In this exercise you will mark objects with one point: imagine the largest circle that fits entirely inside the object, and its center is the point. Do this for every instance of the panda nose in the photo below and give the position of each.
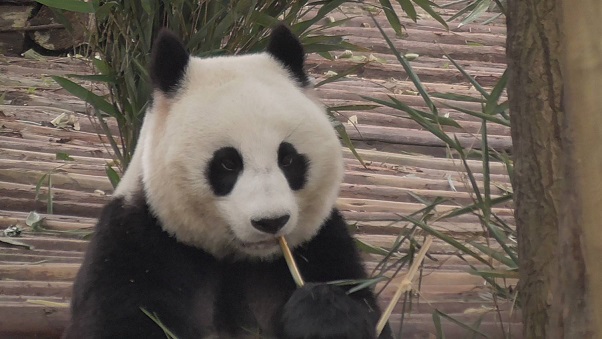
(270, 225)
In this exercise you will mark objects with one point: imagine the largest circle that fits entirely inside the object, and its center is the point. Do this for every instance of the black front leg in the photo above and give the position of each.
(323, 311)
(327, 311)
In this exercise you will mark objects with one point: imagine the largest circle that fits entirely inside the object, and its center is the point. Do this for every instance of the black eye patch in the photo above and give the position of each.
(293, 164)
(223, 170)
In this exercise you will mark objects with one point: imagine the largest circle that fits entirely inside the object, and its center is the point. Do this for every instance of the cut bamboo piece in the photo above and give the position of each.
(290, 261)
(404, 286)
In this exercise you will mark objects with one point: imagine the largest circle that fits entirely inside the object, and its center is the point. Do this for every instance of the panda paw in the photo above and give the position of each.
(323, 311)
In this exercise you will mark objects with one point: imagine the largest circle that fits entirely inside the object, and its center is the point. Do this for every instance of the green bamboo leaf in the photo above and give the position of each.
(367, 283)
(15, 243)
(118, 153)
(348, 143)
(168, 333)
(101, 66)
(352, 108)
(468, 77)
(480, 115)
(391, 16)
(39, 186)
(503, 274)
(463, 11)
(63, 156)
(49, 199)
(457, 97)
(492, 19)
(475, 206)
(112, 175)
(481, 8)
(96, 101)
(370, 249)
(459, 323)
(408, 69)
(147, 5)
(94, 77)
(453, 242)
(438, 119)
(486, 171)
(438, 328)
(501, 238)
(499, 256)
(427, 6)
(324, 10)
(470, 174)
(409, 9)
(341, 75)
(78, 6)
(491, 106)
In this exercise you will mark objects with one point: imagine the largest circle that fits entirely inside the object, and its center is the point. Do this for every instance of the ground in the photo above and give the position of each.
(403, 162)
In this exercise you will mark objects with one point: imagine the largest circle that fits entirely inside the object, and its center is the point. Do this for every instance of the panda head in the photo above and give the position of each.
(235, 151)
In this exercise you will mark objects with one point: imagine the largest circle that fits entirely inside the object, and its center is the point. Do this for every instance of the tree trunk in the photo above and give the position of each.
(537, 114)
(555, 105)
(576, 311)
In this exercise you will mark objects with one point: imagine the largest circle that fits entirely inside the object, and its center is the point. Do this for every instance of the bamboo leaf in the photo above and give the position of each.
(499, 256)
(482, 6)
(496, 93)
(459, 323)
(96, 101)
(112, 175)
(456, 244)
(438, 327)
(427, 6)
(480, 115)
(15, 243)
(78, 6)
(468, 77)
(39, 186)
(94, 77)
(457, 97)
(347, 141)
(343, 74)
(504, 274)
(391, 16)
(370, 249)
(473, 207)
(49, 199)
(63, 156)
(409, 9)
(168, 333)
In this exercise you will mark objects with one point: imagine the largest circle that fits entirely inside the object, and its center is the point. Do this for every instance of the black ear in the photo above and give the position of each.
(287, 49)
(168, 62)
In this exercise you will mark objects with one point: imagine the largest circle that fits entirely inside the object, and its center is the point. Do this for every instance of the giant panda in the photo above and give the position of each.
(234, 152)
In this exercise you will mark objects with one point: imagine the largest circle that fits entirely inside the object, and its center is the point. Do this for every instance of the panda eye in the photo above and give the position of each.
(287, 160)
(228, 165)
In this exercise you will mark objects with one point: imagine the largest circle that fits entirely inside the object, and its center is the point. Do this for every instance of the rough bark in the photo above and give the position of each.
(576, 311)
(535, 96)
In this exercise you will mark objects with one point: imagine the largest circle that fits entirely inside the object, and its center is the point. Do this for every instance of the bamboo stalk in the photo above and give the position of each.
(404, 286)
(290, 261)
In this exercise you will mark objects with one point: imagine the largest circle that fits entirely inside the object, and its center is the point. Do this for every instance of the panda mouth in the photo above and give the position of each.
(260, 245)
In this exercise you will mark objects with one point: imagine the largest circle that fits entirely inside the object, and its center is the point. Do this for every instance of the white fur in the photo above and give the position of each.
(249, 103)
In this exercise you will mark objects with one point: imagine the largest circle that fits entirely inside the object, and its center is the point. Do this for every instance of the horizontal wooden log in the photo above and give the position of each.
(405, 136)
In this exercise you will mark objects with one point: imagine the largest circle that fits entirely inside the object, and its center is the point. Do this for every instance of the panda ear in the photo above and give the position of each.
(169, 60)
(286, 48)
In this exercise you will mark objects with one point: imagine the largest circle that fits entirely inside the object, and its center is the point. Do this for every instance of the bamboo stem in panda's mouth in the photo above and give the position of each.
(290, 261)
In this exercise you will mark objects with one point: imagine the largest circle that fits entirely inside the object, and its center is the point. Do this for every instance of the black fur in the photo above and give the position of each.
(329, 305)
(287, 49)
(169, 60)
(132, 263)
(223, 170)
(293, 165)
